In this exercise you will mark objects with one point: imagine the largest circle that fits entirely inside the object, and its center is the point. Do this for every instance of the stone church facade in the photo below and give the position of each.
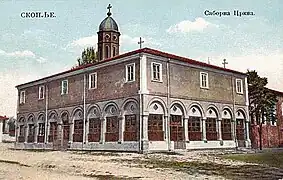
(144, 100)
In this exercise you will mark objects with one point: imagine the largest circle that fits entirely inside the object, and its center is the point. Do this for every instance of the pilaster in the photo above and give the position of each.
(35, 132)
(219, 129)
(186, 120)
(103, 130)
(247, 137)
(121, 128)
(204, 130)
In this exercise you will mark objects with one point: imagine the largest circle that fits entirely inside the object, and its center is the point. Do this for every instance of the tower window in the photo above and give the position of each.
(106, 51)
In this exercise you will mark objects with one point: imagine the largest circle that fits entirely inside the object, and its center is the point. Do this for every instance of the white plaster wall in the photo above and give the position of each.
(157, 145)
(210, 144)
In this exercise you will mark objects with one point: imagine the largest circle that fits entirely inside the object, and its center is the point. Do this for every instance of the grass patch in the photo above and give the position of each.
(244, 172)
(274, 159)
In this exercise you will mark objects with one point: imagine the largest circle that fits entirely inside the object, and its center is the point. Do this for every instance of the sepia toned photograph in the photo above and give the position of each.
(141, 90)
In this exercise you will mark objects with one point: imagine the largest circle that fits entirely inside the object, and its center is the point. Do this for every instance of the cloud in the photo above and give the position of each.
(23, 54)
(85, 41)
(8, 94)
(20, 54)
(187, 26)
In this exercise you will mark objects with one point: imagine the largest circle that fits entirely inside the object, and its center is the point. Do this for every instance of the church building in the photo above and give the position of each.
(141, 101)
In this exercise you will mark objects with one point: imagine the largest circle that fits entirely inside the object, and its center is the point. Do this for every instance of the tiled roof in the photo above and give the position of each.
(149, 51)
(2, 118)
(277, 92)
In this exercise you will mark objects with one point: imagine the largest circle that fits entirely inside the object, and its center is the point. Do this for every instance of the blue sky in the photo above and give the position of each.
(33, 48)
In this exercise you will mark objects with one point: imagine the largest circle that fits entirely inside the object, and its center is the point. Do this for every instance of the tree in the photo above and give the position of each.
(262, 101)
(89, 56)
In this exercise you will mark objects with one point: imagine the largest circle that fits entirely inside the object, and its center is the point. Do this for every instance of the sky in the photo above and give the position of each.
(32, 48)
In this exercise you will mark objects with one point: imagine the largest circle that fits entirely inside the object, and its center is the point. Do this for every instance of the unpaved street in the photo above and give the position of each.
(81, 165)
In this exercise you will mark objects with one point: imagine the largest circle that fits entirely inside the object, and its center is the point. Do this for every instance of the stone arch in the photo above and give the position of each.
(157, 106)
(178, 108)
(241, 114)
(93, 111)
(52, 116)
(77, 114)
(130, 106)
(76, 110)
(130, 123)
(227, 123)
(41, 117)
(198, 111)
(111, 109)
(93, 123)
(111, 113)
(226, 113)
(21, 119)
(212, 111)
(64, 117)
(240, 126)
(31, 118)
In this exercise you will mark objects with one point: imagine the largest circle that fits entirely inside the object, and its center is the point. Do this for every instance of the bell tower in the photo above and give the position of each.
(108, 37)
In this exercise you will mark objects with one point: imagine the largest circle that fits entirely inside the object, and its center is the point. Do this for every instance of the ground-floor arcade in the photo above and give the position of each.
(119, 125)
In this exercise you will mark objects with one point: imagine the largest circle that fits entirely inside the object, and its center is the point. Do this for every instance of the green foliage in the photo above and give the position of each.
(274, 159)
(262, 100)
(89, 56)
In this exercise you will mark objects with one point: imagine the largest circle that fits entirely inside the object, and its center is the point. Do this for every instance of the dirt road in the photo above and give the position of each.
(82, 165)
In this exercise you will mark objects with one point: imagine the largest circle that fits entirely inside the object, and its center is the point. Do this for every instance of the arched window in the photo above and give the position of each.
(194, 124)
(41, 129)
(106, 51)
(210, 124)
(31, 130)
(78, 127)
(226, 125)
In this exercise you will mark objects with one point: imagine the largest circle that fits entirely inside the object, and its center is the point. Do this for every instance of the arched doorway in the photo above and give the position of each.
(53, 131)
(40, 128)
(65, 129)
(211, 125)
(177, 134)
(94, 125)
(21, 131)
(156, 122)
(31, 129)
(240, 128)
(78, 126)
(112, 123)
(194, 124)
(226, 124)
(131, 128)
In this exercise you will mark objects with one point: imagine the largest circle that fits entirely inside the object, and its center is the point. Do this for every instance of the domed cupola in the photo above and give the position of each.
(108, 37)
(108, 24)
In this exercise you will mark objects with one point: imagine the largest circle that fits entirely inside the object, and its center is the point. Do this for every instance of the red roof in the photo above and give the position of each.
(279, 93)
(3, 118)
(144, 50)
